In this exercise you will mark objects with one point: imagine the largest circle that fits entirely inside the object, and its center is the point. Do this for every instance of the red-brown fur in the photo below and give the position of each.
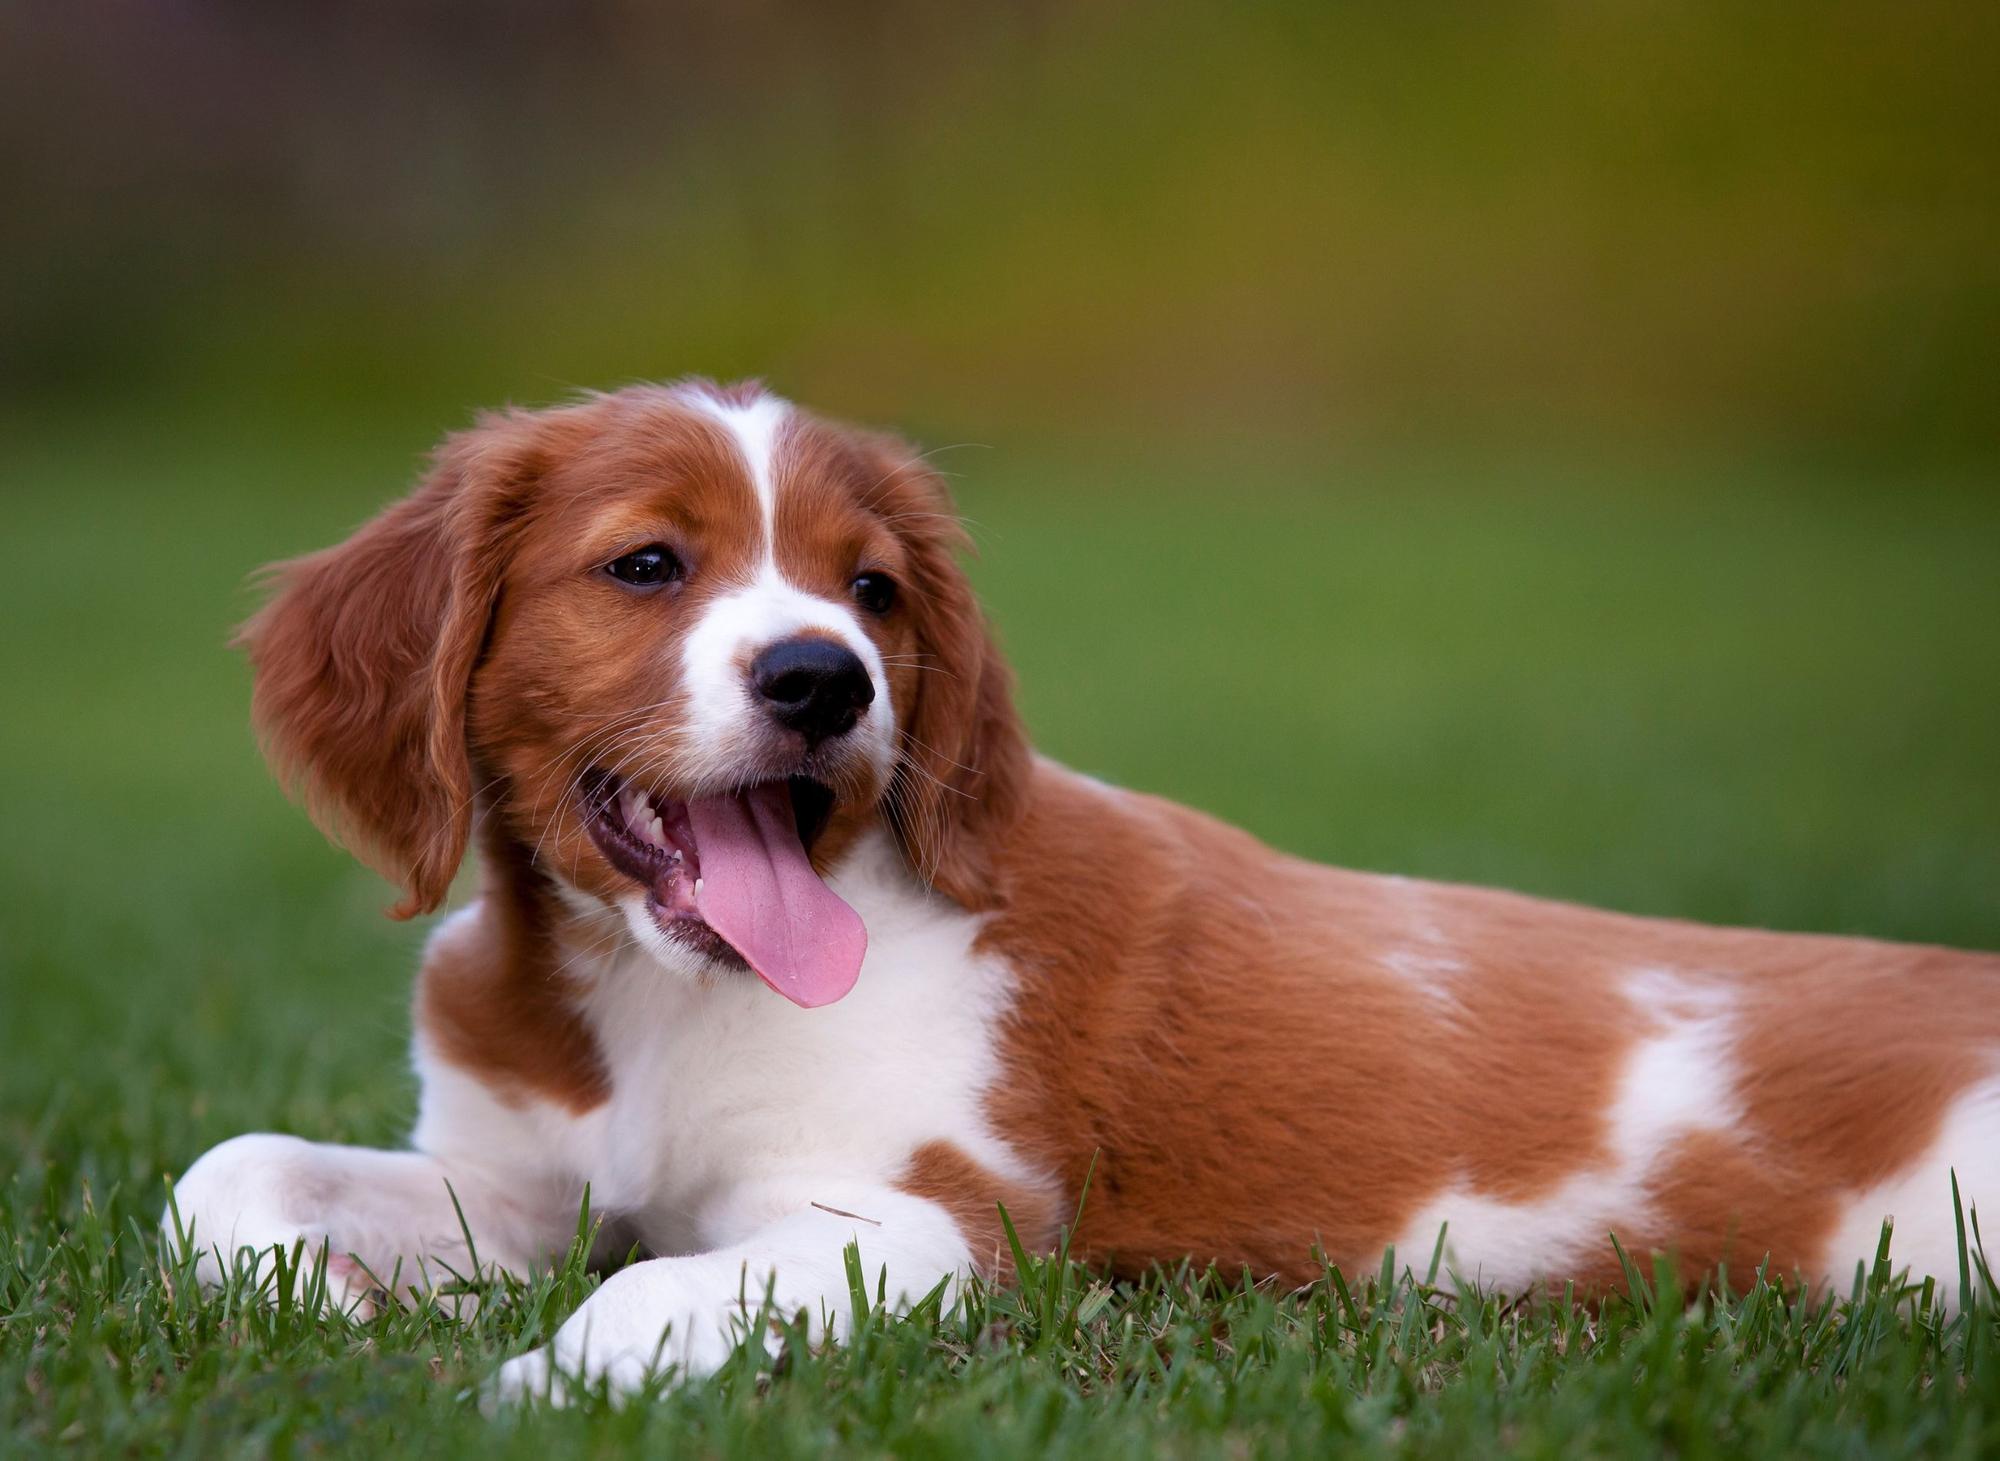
(976, 1198)
(1209, 1022)
(1186, 985)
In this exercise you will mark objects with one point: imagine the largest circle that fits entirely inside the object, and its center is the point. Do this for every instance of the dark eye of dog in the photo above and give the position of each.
(649, 567)
(875, 592)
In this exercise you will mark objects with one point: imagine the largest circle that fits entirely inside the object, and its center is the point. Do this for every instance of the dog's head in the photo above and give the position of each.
(679, 646)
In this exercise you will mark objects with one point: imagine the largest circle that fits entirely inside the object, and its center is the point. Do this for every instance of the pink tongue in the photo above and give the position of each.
(760, 893)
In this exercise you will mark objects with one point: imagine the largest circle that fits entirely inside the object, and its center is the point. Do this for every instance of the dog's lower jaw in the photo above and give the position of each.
(690, 951)
(592, 924)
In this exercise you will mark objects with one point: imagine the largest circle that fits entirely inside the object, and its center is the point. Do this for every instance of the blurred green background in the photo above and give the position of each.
(1551, 445)
(1738, 222)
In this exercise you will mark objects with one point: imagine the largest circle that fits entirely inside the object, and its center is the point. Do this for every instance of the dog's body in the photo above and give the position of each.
(1254, 1058)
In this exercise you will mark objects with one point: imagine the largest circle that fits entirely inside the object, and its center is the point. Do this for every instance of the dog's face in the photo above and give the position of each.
(681, 646)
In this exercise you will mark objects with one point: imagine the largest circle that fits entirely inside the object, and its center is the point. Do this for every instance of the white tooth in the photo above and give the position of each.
(697, 887)
(657, 831)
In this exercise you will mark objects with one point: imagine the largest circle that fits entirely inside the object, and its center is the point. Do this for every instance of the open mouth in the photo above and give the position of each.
(731, 876)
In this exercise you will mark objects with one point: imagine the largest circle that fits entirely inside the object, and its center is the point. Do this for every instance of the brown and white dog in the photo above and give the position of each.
(786, 940)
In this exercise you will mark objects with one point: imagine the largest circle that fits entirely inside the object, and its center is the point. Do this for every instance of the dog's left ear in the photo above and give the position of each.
(962, 769)
(364, 656)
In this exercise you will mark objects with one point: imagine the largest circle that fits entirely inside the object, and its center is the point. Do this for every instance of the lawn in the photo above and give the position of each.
(1724, 687)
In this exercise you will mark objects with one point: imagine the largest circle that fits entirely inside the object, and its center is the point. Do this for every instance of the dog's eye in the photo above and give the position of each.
(649, 567)
(875, 592)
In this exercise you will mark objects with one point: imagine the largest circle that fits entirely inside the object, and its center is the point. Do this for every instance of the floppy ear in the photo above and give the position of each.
(962, 769)
(363, 657)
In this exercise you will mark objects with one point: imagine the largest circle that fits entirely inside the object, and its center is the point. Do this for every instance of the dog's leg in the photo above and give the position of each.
(387, 1220)
(784, 1240)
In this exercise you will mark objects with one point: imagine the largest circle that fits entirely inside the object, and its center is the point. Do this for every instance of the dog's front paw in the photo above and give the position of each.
(237, 1210)
(667, 1320)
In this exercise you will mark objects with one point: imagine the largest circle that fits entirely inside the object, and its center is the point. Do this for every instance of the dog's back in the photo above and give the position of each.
(1259, 1052)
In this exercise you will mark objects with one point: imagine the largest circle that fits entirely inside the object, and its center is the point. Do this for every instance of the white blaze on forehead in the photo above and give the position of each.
(755, 429)
(723, 717)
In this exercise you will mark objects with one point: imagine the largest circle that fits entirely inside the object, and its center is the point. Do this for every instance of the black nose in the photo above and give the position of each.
(815, 687)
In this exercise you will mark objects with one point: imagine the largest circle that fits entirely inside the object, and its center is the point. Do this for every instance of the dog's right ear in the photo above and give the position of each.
(364, 654)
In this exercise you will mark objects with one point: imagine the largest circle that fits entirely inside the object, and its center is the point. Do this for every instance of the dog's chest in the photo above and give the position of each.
(718, 1082)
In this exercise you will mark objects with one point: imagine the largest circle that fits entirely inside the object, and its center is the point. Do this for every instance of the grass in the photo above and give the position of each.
(1183, 1364)
(1730, 689)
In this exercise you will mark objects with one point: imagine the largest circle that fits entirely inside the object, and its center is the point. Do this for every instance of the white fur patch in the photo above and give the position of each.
(755, 428)
(1678, 1081)
(723, 716)
(748, 1139)
(1918, 1200)
(382, 1219)
(1425, 960)
(736, 1120)
(689, 1313)
(717, 1081)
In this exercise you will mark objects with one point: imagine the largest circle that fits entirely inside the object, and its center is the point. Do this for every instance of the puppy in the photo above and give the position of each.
(785, 940)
